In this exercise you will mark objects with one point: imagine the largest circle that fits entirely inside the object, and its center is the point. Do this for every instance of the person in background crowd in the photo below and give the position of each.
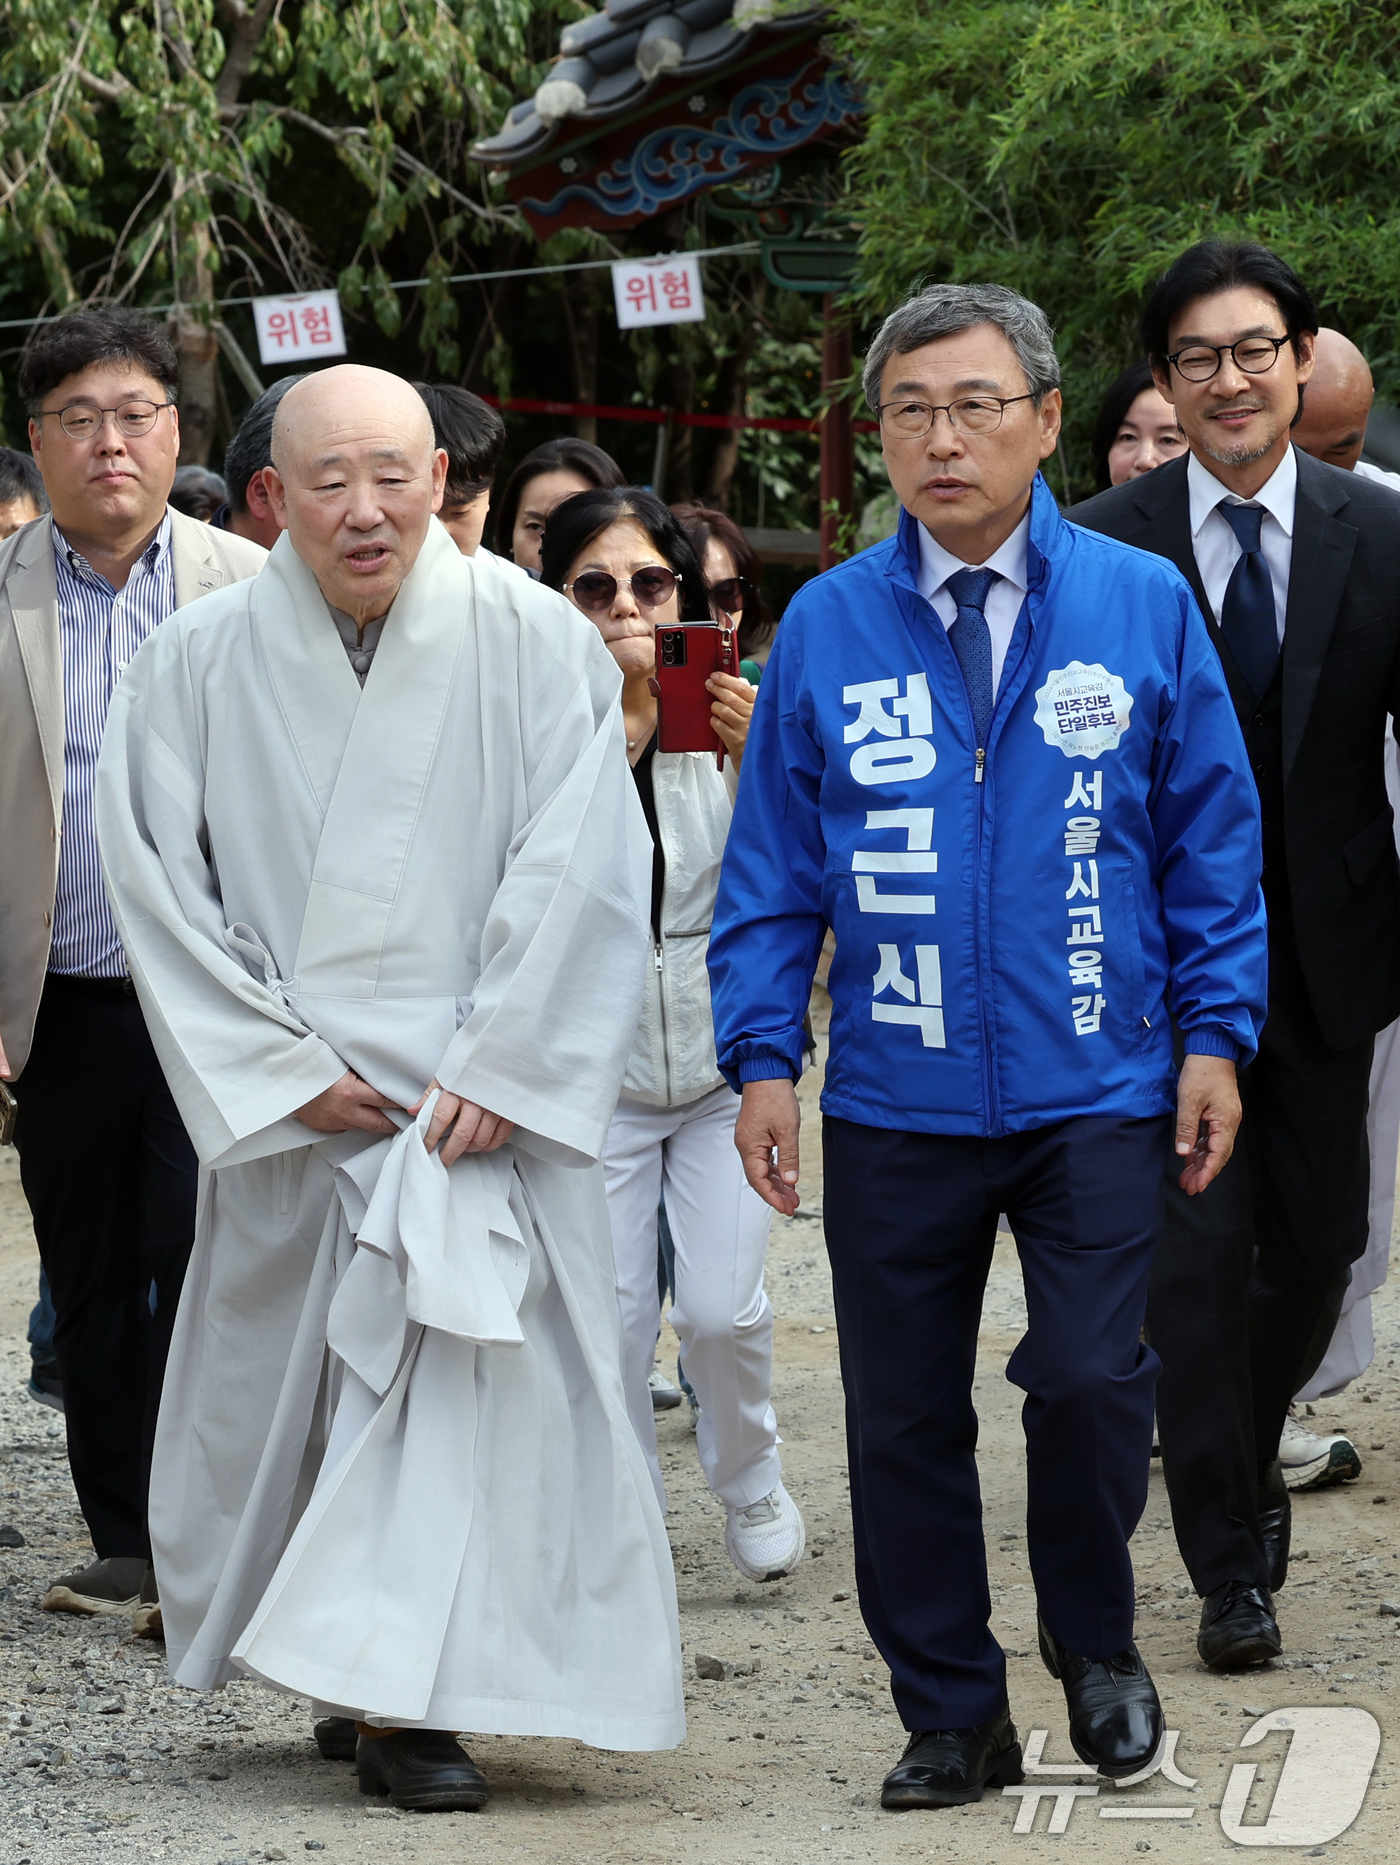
(198, 493)
(1336, 406)
(546, 475)
(1137, 429)
(420, 1503)
(1297, 565)
(248, 512)
(471, 434)
(22, 494)
(625, 562)
(23, 499)
(734, 574)
(1023, 726)
(114, 1214)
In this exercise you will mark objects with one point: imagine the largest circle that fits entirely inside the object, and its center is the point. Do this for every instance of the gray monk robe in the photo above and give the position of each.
(394, 1470)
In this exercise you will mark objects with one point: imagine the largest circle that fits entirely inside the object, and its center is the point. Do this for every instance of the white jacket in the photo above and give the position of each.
(673, 1054)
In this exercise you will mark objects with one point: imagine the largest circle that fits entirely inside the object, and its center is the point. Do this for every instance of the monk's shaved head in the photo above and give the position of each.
(1336, 402)
(349, 402)
(354, 481)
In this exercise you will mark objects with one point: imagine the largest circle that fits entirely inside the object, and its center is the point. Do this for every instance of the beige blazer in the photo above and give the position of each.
(31, 742)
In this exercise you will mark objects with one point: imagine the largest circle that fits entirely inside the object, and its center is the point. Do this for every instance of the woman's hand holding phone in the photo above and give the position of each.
(731, 711)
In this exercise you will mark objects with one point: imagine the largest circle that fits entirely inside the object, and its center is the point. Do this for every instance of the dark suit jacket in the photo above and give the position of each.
(1341, 677)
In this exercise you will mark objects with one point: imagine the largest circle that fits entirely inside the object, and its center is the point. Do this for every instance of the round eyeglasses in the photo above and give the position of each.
(970, 414)
(596, 591)
(82, 420)
(1256, 356)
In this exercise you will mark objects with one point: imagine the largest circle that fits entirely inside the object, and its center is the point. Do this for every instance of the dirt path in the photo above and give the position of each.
(103, 1760)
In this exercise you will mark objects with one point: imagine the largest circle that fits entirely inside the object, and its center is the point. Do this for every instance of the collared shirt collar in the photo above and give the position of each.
(1278, 495)
(79, 565)
(936, 565)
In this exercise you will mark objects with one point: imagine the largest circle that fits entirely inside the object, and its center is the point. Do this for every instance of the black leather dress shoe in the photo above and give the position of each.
(1238, 1627)
(1275, 1510)
(336, 1738)
(1115, 1719)
(421, 1770)
(950, 1767)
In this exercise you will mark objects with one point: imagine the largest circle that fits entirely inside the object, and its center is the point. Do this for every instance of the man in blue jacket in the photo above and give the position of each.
(997, 756)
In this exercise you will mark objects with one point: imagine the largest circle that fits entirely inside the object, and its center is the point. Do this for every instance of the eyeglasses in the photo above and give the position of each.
(1256, 356)
(973, 414)
(595, 590)
(81, 421)
(729, 594)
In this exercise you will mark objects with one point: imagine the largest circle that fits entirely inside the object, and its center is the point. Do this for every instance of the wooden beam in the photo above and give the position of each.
(838, 451)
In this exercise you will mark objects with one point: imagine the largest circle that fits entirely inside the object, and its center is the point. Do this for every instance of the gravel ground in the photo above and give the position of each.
(101, 1759)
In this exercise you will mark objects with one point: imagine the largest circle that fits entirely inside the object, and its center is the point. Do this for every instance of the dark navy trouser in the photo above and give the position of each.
(910, 1224)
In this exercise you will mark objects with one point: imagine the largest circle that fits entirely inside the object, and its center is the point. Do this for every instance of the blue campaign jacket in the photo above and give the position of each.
(1011, 933)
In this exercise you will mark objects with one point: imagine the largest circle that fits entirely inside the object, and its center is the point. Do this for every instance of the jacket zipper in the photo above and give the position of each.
(661, 1006)
(983, 971)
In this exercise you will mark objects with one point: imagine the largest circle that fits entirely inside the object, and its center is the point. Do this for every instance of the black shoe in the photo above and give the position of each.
(950, 1767)
(1115, 1719)
(336, 1737)
(421, 1770)
(1275, 1510)
(1238, 1627)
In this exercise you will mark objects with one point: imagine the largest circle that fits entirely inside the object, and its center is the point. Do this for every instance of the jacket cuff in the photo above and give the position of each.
(765, 1068)
(1212, 1043)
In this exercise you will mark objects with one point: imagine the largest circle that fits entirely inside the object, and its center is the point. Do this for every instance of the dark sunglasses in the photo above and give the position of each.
(595, 590)
(731, 592)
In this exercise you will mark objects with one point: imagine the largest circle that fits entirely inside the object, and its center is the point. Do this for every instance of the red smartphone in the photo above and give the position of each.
(687, 653)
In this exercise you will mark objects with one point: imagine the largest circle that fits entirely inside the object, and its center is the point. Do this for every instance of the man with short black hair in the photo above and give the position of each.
(471, 434)
(1297, 565)
(248, 512)
(112, 1191)
(22, 495)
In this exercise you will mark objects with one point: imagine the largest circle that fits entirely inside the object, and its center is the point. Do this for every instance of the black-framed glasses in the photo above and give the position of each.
(81, 420)
(595, 590)
(970, 414)
(729, 594)
(1256, 356)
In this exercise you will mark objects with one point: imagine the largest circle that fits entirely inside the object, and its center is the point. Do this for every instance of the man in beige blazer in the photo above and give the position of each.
(106, 1165)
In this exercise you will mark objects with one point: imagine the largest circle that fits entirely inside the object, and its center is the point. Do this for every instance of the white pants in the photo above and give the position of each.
(720, 1312)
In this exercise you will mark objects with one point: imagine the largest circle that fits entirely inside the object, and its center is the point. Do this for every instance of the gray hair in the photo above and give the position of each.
(945, 310)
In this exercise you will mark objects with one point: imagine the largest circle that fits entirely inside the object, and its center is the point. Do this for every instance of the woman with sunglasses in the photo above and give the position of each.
(622, 559)
(734, 573)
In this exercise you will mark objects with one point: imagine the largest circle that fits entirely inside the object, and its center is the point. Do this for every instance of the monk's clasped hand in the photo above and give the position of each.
(473, 1129)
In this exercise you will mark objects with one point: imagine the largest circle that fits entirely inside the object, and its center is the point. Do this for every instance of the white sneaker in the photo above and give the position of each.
(1311, 1462)
(664, 1396)
(766, 1540)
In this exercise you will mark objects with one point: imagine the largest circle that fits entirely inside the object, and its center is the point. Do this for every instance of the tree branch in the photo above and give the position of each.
(247, 36)
(401, 159)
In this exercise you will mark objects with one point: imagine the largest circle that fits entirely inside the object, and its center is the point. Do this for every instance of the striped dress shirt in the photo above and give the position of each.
(99, 629)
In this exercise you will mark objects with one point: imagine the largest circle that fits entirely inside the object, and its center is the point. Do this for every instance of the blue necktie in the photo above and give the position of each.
(1248, 618)
(972, 643)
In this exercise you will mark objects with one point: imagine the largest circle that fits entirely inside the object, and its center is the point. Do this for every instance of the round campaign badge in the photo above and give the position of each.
(1083, 710)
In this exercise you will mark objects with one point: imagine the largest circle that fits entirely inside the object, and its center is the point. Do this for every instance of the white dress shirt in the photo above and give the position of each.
(1004, 598)
(1364, 470)
(1217, 548)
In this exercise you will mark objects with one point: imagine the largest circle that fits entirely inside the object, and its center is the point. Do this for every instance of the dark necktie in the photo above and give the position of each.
(1248, 618)
(972, 643)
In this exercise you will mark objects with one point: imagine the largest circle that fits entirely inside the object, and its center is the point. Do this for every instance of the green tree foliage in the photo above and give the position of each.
(1071, 150)
(150, 147)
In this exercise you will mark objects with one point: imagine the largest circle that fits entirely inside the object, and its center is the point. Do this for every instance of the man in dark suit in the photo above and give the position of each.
(1296, 566)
